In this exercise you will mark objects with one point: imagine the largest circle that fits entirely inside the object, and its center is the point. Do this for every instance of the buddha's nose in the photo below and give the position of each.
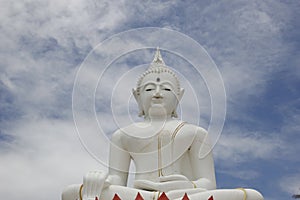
(157, 93)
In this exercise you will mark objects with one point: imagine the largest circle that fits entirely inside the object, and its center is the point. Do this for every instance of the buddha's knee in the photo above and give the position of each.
(253, 195)
(71, 192)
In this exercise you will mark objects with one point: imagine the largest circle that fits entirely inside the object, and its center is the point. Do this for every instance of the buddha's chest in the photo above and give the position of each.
(160, 151)
(152, 144)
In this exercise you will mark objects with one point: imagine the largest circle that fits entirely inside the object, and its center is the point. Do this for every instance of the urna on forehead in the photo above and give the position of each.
(158, 72)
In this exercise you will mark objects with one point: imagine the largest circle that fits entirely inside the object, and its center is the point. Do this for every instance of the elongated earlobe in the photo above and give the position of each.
(174, 114)
(136, 96)
(181, 92)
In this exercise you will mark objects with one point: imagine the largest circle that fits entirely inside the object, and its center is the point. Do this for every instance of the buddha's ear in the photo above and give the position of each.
(181, 92)
(134, 92)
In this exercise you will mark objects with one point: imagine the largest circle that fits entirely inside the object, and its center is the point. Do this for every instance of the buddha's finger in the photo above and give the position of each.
(89, 184)
(97, 183)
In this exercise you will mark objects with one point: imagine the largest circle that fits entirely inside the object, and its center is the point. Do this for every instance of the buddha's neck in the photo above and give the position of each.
(157, 113)
(158, 118)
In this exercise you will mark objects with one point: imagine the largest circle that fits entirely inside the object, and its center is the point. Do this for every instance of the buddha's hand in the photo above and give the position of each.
(175, 185)
(174, 182)
(92, 184)
(112, 180)
(165, 184)
(173, 177)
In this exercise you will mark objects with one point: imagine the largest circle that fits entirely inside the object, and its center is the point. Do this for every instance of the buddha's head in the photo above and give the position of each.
(158, 90)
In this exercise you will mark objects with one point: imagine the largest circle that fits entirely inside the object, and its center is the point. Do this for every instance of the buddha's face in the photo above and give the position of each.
(159, 94)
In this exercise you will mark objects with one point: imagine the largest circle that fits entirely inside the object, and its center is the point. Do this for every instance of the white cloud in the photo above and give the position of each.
(245, 40)
(291, 184)
(239, 146)
(41, 46)
(241, 174)
(44, 157)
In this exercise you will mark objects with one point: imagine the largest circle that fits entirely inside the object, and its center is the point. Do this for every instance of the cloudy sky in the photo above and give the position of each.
(54, 50)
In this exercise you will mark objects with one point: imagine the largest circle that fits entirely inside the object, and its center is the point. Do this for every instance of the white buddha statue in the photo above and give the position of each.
(166, 151)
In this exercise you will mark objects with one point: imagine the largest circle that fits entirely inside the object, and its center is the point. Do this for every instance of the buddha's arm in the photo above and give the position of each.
(202, 162)
(119, 161)
(203, 174)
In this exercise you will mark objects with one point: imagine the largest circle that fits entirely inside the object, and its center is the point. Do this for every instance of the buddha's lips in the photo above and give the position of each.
(157, 97)
(157, 100)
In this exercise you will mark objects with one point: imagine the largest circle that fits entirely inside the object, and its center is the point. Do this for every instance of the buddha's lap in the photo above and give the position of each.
(126, 193)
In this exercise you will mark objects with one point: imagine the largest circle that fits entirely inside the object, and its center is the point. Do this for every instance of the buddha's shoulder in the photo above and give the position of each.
(129, 129)
(133, 127)
(192, 129)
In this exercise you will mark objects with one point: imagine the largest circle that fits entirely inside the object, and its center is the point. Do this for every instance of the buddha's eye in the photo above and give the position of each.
(166, 87)
(149, 88)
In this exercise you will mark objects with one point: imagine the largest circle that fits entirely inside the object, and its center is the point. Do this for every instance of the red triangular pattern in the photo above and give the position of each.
(163, 196)
(185, 197)
(139, 197)
(116, 197)
(96, 198)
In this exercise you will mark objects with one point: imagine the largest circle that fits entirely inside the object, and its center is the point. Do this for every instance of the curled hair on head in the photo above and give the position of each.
(157, 66)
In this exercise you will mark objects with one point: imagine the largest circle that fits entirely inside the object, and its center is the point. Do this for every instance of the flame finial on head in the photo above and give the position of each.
(157, 60)
(157, 57)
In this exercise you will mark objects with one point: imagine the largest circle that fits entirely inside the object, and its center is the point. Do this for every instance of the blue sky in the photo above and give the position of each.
(255, 44)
